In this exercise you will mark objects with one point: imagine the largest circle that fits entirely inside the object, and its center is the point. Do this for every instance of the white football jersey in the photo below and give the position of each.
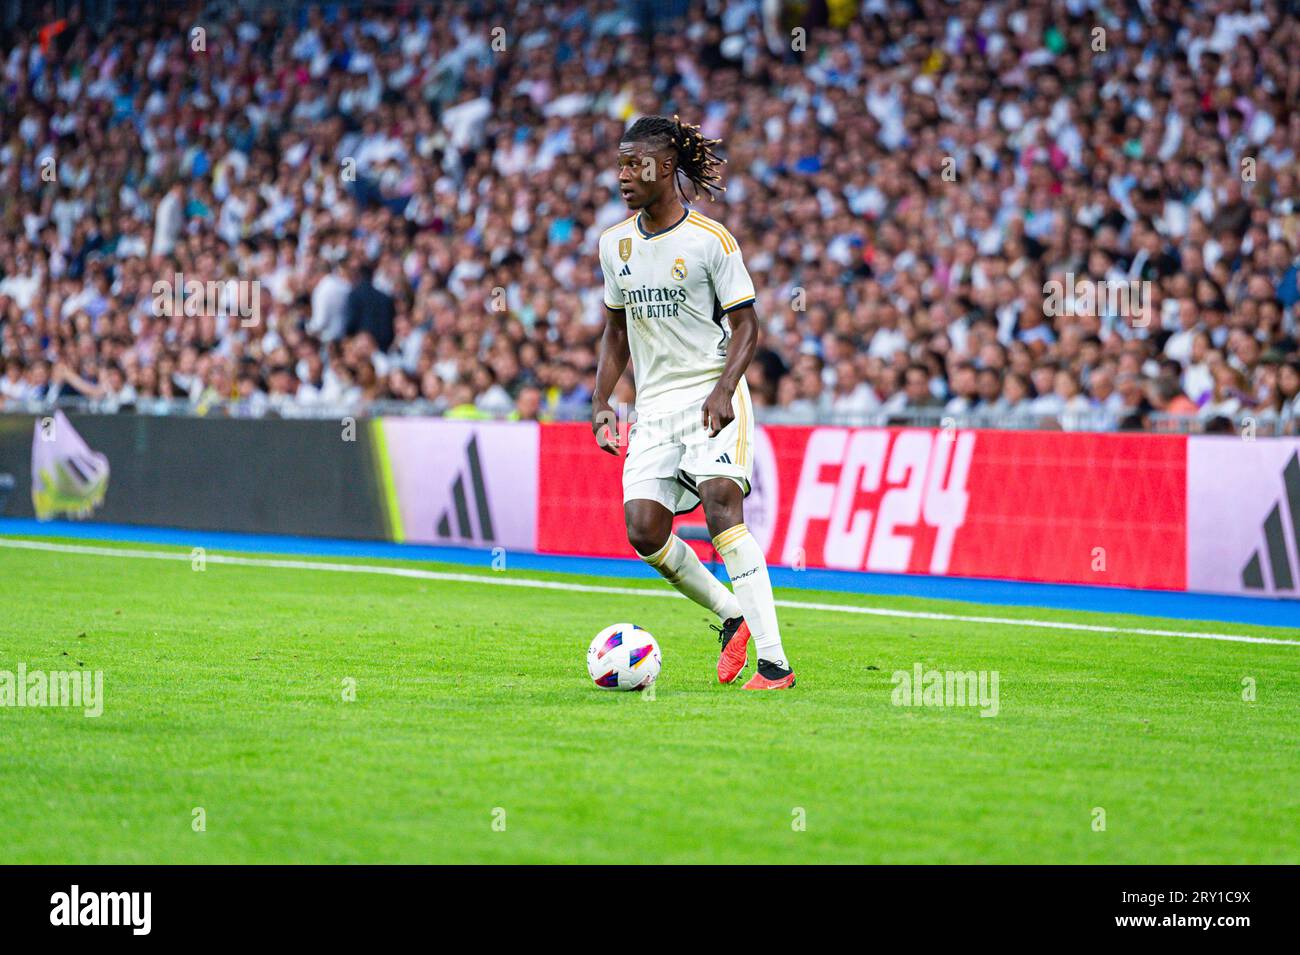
(675, 288)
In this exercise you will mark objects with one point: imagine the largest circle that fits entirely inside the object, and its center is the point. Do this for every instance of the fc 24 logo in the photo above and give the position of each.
(865, 486)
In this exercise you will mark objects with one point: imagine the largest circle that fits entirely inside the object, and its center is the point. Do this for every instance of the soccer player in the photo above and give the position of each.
(680, 303)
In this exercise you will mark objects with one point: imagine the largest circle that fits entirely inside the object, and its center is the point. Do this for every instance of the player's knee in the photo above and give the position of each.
(723, 506)
(645, 537)
(723, 519)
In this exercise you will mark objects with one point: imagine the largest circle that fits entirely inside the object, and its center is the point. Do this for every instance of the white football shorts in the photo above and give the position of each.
(670, 455)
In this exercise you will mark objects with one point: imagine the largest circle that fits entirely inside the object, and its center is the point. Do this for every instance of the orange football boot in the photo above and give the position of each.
(771, 677)
(734, 637)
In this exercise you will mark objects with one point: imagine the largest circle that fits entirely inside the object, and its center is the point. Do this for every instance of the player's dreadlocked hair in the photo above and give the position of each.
(696, 159)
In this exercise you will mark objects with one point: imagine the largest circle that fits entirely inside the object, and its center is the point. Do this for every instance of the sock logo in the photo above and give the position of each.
(1275, 534)
(459, 509)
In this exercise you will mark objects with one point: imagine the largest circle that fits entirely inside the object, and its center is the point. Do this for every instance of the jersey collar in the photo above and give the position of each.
(654, 235)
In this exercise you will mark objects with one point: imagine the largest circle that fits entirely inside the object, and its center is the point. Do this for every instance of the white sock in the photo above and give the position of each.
(678, 565)
(749, 577)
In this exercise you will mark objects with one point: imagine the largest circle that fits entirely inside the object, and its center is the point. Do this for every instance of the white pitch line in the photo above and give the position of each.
(499, 581)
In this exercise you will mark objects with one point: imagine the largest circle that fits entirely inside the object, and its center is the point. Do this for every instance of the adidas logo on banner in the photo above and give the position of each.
(1275, 533)
(459, 509)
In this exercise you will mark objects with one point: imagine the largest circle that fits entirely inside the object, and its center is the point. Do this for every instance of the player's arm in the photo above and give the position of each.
(735, 292)
(613, 358)
(609, 369)
(718, 411)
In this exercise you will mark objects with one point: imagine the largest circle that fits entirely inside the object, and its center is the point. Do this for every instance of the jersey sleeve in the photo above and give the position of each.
(731, 282)
(613, 294)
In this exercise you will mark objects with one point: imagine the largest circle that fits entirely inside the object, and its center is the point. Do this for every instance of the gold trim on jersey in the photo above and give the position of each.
(742, 436)
(616, 225)
(715, 229)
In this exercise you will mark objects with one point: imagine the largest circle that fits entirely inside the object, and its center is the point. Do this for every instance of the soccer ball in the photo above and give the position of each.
(624, 657)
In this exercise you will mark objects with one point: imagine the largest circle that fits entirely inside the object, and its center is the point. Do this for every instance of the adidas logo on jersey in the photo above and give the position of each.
(626, 271)
(725, 459)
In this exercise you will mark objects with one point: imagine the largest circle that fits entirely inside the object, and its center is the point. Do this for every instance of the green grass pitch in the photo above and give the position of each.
(475, 735)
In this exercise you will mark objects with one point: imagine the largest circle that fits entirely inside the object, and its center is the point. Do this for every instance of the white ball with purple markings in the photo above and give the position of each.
(624, 657)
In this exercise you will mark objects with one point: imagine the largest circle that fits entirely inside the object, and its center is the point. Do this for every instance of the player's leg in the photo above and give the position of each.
(718, 469)
(651, 496)
(650, 532)
(723, 502)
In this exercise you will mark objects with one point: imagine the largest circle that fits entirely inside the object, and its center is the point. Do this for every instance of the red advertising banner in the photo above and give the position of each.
(579, 495)
(1048, 506)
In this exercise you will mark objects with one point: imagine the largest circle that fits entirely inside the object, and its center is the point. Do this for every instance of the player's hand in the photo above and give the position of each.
(717, 412)
(604, 425)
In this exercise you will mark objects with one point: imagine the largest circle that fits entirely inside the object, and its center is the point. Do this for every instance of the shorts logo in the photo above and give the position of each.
(625, 249)
(679, 270)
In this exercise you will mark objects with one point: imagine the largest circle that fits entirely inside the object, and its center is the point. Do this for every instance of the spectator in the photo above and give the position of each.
(1169, 399)
(12, 386)
(964, 390)
(568, 395)
(369, 310)
(1015, 398)
(528, 406)
(467, 190)
(1286, 402)
(460, 403)
(1104, 397)
(329, 305)
(916, 394)
(492, 398)
(1225, 399)
(169, 221)
(1074, 409)
(989, 385)
(851, 397)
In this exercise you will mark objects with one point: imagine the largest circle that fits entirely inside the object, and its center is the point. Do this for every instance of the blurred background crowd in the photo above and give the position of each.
(417, 191)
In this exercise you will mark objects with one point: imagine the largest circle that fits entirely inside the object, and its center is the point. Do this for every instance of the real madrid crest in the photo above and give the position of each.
(679, 270)
(625, 249)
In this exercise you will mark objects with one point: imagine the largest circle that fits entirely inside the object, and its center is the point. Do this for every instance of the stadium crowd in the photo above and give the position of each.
(402, 204)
